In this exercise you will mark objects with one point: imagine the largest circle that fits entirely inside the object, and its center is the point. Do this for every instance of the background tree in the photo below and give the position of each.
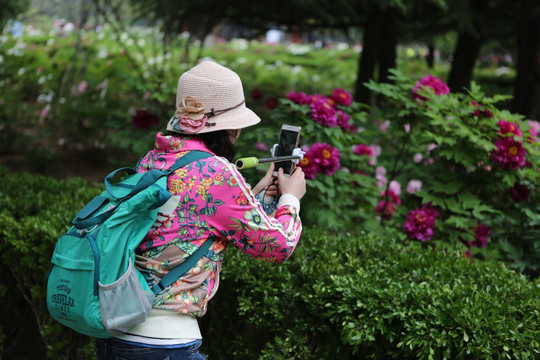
(10, 9)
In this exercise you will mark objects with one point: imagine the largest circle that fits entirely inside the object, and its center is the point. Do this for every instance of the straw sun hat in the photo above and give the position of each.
(210, 97)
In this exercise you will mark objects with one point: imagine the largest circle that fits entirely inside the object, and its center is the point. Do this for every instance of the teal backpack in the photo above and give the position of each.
(93, 286)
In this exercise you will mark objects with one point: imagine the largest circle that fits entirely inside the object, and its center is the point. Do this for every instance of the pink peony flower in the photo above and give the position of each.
(342, 97)
(142, 119)
(432, 82)
(384, 126)
(519, 192)
(395, 187)
(323, 113)
(509, 154)
(261, 146)
(509, 128)
(420, 223)
(82, 86)
(326, 157)
(534, 129)
(414, 186)
(417, 158)
(297, 97)
(362, 149)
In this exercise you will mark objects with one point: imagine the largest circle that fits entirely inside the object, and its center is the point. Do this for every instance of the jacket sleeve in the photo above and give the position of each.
(241, 220)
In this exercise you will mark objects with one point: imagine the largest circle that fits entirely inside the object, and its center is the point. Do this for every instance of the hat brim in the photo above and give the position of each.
(238, 118)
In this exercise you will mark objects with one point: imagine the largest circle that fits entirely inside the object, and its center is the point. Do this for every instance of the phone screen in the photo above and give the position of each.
(288, 141)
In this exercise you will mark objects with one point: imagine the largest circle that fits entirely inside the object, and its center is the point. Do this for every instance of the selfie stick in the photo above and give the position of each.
(250, 162)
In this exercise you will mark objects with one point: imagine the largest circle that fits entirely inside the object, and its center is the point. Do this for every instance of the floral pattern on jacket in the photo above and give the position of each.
(215, 204)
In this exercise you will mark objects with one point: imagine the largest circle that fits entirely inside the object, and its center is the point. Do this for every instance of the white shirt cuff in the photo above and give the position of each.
(289, 199)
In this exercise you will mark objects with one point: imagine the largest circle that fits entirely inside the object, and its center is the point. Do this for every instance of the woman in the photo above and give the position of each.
(210, 202)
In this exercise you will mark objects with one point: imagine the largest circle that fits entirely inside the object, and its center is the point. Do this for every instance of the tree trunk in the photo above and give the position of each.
(465, 54)
(430, 58)
(366, 64)
(527, 82)
(388, 38)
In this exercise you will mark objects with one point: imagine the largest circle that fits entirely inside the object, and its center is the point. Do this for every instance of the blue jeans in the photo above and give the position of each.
(114, 349)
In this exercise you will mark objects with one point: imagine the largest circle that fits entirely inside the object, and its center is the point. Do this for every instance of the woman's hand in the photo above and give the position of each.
(294, 184)
(265, 182)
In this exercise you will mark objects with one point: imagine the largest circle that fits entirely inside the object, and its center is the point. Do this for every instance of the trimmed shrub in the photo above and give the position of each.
(35, 211)
(363, 297)
(354, 296)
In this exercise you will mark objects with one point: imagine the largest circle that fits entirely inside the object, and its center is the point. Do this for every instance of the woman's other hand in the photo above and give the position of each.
(295, 184)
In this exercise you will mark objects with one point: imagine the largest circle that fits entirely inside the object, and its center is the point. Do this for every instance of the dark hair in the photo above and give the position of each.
(219, 142)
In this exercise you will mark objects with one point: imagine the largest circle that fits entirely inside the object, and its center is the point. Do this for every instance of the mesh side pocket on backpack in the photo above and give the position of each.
(124, 303)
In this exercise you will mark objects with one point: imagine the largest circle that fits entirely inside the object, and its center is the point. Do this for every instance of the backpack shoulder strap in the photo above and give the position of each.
(183, 268)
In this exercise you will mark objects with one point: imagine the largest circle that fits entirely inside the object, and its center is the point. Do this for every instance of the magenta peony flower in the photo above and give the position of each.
(256, 94)
(363, 149)
(271, 103)
(323, 113)
(420, 223)
(480, 110)
(388, 206)
(393, 197)
(481, 236)
(509, 154)
(325, 156)
(297, 97)
(519, 192)
(343, 121)
(432, 82)
(309, 167)
(342, 97)
(509, 127)
(142, 119)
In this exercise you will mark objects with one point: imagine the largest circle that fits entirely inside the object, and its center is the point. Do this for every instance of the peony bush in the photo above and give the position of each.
(468, 169)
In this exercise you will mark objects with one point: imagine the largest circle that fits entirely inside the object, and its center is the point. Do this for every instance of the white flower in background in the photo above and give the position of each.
(124, 36)
(129, 42)
(241, 60)
(42, 79)
(102, 53)
(45, 98)
(141, 42)
(315, 78)
(278, 63)
(414, 186)
(101, 35)
(342, 46)
(62, 100)
(239, 44)
(298, 49)
(260, 62)
(296, 69)
(50, 42)
(21, 71)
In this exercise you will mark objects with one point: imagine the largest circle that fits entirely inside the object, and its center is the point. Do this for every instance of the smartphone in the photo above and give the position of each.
(288, 141)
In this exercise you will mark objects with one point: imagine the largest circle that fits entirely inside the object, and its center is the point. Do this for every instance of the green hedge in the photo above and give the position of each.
(349, 297)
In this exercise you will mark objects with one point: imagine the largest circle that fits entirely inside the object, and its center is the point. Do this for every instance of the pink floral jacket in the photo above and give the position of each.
(215, 203)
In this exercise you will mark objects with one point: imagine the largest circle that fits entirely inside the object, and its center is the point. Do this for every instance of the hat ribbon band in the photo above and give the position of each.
(213, 112)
